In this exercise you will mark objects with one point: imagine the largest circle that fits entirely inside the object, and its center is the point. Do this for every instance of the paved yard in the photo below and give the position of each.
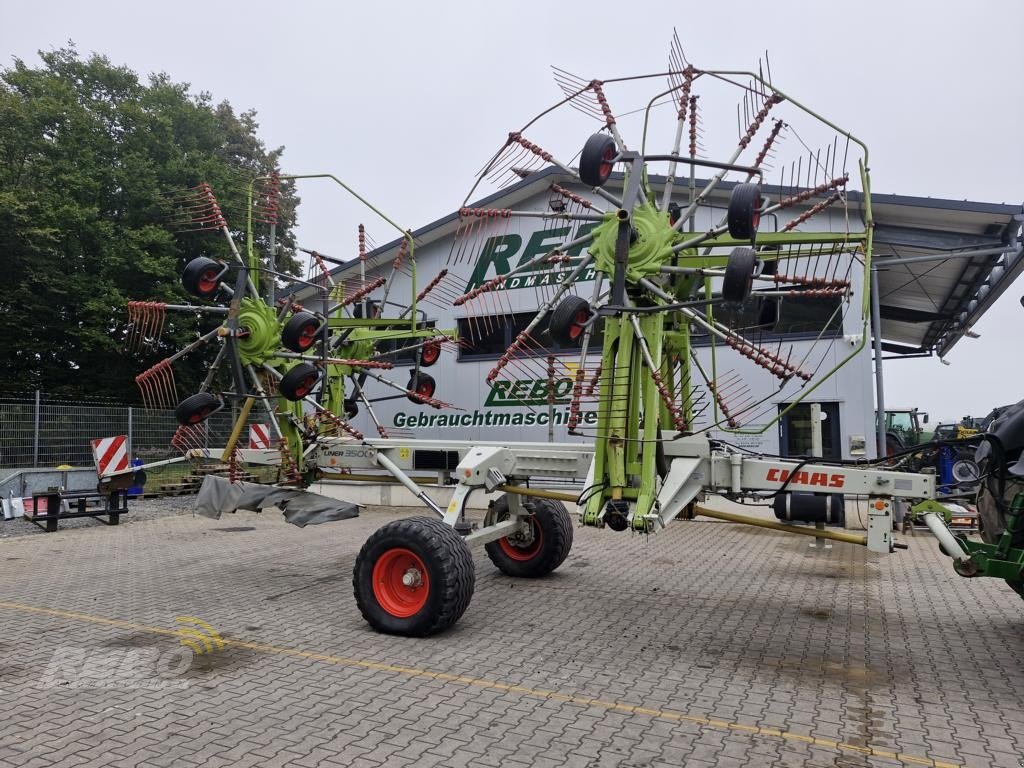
(709, 644)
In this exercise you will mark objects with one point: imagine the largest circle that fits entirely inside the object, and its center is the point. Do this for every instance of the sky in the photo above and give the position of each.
(406, 101)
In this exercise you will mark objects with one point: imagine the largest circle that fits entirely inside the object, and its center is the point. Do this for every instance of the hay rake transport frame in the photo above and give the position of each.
(647, 462)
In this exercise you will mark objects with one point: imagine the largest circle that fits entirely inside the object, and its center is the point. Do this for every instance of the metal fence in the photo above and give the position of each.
(37, 430)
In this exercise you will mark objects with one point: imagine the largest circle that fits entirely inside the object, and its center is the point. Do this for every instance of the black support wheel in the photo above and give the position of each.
(201, 277)
(413, 577)
(540, 550)
(568, 321)
(430, 353)
(299, 381)
(301, 331)
(739, 275)
(197, 408)
(744, 212)
(421, 387)
(597, 159)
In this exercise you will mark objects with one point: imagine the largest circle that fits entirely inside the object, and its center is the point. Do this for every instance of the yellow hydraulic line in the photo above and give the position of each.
(243, 416)
(522, 490)
(850, 538)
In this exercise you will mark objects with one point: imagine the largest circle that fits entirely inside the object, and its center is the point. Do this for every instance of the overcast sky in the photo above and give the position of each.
(406, 101)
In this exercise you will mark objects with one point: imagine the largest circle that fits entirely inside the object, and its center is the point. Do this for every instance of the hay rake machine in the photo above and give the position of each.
(307, 367)
(670, 290)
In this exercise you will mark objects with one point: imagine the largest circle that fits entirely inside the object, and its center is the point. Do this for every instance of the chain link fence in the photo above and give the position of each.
(37, 430)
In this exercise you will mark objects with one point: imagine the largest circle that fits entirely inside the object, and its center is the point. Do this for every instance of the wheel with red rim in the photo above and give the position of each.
(201, 277)
(421, 386)
(299, 381)
(413, 577)
(430, 353)
(597, 159)
(744, 214)
(300, 332)
(537, 550)
(197, 408)
(568, 321)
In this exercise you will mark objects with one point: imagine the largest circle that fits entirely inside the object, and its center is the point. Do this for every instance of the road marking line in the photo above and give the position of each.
(535, 693)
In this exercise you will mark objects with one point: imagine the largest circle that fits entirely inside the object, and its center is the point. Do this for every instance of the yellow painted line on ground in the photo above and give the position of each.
(535, 693)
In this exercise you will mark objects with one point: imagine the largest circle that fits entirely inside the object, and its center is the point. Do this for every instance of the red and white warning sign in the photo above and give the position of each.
(259, 436)
(110, 454)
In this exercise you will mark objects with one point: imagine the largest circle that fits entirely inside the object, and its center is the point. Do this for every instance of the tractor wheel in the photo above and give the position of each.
(298, 382)
(744, 211)
(540, 551)
(196, 408)
(430, 353)
(893, 444)
(567, 321)
(413, 577)
(300, 332)
(421, 386)
(597, 159)
(739, 275)
(201, 277)
(993, 520)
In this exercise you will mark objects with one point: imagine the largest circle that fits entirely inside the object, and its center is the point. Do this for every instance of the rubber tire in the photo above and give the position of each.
(893, 444)
(430, 353)
(417, 379)
(595, 160)
(556, 531)
(565, 317)
(768, 316)
(993, 521)
(351, 408)
(198, 270)
(293, 382)
(449, 566)
(292, 336)
(196, 408)
(744, 212)
(739, 275)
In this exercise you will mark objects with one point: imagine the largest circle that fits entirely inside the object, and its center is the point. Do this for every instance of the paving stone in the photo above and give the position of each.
(759, 632)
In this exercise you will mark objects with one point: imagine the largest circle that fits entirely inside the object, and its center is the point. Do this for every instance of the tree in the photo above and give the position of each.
(89, 155)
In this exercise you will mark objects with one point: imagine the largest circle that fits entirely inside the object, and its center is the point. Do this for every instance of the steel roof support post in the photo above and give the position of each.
(876, 327)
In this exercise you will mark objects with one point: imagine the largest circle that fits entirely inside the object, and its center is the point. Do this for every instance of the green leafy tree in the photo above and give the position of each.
(89, 158)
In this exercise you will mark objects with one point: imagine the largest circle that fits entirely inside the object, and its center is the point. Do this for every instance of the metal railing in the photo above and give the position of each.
(37, 430)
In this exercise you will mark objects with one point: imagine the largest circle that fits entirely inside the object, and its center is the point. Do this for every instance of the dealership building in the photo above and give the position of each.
(938, 266)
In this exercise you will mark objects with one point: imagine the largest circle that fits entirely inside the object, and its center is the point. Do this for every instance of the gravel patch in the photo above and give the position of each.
(139, 510)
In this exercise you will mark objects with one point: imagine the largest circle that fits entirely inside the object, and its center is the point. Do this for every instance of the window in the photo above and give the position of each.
(770, 317)
(406, 356)
(486, 336)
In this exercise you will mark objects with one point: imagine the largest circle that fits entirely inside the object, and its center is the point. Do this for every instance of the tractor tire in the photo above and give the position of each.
(201, 277)
(744, 212)
(567, 321)
(739, 275)
(421, 385)
(993, 520)
(413, 577)
(298, 382)
(430, 353)
(300, 332)
(597, 159)
(196, 408)
(544, 552)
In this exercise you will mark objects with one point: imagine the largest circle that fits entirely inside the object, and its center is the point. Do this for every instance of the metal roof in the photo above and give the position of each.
(941, 263)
